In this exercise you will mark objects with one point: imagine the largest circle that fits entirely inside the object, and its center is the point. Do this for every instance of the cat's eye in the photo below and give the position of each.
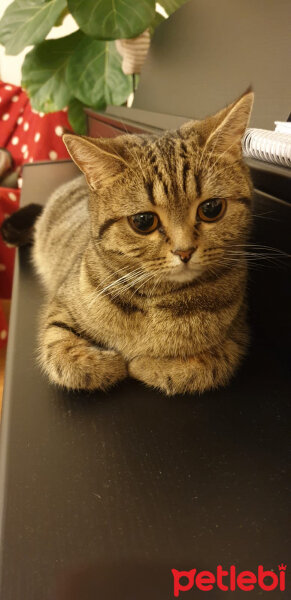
(211, 210)
(144, 222)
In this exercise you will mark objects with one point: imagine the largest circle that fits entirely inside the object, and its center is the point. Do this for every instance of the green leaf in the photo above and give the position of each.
(112, 19)
(27, 22)
(77, 116)
(43, 73)
(61, 18)
(94, 74)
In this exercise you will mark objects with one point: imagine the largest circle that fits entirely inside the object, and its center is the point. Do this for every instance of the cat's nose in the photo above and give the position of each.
(185, 255)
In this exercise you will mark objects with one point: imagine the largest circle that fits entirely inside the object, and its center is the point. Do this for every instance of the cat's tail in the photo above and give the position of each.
(17, 230)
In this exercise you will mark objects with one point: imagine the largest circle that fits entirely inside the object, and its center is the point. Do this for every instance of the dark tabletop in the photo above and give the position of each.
(103, 494)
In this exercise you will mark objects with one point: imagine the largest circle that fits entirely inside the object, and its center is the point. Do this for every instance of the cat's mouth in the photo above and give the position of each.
(183, 273)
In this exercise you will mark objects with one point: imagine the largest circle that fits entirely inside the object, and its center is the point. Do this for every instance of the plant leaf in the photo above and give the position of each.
(27, 22)
(43, 73)
(112, 19)
(77, 116)
(61, 18)
(94, 74)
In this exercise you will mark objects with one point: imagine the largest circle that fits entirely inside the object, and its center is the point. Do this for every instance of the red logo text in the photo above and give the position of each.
(229, 580)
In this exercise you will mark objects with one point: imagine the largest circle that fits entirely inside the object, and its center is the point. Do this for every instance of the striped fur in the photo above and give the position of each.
(120, 303)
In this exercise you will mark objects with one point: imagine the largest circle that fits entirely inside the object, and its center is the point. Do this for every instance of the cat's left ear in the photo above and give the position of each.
(99, 159)
(226, 137)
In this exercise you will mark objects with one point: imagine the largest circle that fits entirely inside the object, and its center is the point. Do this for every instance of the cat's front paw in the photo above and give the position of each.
(84, 367)
(152, 372)
(200, 373)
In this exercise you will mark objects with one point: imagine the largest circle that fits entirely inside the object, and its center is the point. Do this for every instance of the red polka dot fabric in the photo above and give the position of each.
(30, 137)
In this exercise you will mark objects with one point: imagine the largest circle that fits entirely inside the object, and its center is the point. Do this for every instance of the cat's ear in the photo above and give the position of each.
(223, 131)
(227, 133)
(97, 158)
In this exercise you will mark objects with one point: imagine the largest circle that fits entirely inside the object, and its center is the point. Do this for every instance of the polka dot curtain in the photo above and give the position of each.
(30, 137)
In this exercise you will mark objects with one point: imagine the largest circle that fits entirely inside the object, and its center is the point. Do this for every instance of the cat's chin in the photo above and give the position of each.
(183, 274)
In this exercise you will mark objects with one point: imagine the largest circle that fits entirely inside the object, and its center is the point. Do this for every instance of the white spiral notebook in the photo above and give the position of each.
(271, 146)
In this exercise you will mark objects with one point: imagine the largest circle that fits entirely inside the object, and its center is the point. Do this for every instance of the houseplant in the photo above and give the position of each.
(85, 67)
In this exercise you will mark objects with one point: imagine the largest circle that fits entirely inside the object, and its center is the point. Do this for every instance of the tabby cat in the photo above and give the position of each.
(143, 262)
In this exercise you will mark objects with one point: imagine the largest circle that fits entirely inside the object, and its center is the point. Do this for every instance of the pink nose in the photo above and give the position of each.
(185, 255)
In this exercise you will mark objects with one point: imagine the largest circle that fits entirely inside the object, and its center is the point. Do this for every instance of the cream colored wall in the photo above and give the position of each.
(10, 66)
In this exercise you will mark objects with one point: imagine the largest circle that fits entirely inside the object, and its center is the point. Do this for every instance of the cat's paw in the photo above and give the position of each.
(84, 367)
(177, 376)
(154, 373)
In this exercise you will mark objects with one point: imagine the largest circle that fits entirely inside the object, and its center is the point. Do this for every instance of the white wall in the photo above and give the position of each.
(10, 66)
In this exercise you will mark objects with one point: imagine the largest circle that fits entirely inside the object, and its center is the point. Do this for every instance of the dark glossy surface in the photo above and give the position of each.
(103, 494)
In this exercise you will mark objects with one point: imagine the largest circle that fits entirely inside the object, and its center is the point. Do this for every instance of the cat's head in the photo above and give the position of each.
(176, 206)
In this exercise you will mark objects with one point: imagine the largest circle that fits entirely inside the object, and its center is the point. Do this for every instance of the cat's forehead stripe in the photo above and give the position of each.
(173, 161)
(186, 168)
(198, 184)
(149, 188)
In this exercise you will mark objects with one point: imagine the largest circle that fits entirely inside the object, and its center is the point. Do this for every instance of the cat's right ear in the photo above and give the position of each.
(96, 158)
